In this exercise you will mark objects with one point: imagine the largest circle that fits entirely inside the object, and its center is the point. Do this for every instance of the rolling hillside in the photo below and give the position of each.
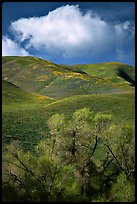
(14, 97)
(39, 76)
(34, 89)
(106, 70)
(13, 94)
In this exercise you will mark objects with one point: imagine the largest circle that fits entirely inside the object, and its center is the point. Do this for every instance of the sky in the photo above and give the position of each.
(70, 32)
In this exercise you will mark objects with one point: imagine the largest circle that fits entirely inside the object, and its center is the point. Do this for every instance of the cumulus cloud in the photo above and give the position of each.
(11, 48)
(68, 32)
(63, 31)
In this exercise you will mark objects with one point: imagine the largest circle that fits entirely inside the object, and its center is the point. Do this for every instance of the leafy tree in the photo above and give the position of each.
(76, 144)
(36, 178)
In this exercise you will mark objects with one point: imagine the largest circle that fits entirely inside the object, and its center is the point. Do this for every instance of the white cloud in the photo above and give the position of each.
(68, 32)
(11, 48)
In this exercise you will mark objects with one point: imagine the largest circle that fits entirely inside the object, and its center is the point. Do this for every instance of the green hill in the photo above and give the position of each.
(13, 94)
(106, 70)
(39, 76)
(14, 97)
(29, 73)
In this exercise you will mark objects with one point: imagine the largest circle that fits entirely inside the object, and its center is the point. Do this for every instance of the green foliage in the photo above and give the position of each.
(123, 190)
(123, 146)
(55, 122)
(38, 178)
(102, 121)
(80, 116)
(85, 158)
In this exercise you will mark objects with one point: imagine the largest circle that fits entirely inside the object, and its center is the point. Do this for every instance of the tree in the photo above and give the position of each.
(77, 142)
(36, 178)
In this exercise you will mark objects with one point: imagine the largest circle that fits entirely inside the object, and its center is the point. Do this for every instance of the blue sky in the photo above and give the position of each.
(70, 32)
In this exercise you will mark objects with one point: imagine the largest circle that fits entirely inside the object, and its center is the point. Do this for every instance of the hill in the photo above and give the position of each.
(13, 94)
(39, 76)
(14, 97)
(106, 70)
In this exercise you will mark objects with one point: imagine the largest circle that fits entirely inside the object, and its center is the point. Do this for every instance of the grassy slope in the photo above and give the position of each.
(106, 70)
(30, 125)
(15, 98)
(43, 77)
(25, 115)
(29, 73)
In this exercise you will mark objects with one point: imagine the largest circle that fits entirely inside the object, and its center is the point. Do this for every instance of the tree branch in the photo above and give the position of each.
(20, 181)
(105, 165)
(125, 160)
(95, 146)
(28, 170)
(116, 159)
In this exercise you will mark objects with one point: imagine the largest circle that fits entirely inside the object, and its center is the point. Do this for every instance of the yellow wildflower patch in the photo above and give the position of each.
(76, 76)
(57, 73)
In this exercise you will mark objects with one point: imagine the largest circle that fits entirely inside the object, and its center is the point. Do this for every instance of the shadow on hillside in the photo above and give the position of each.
(121, 73)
